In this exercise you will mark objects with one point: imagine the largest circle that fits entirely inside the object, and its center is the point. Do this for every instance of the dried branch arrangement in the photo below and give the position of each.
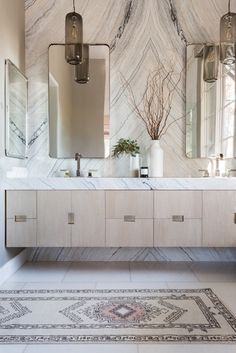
(156, 102)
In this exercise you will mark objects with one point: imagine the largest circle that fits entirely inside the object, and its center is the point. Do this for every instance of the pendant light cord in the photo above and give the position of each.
(74, 5)
(229, 6)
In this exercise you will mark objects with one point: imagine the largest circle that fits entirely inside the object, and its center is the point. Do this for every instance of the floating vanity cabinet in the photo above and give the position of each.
(88, 209)
(177, 218)
(219, 218)
(129, 218)
(54, 218)
(21, 218)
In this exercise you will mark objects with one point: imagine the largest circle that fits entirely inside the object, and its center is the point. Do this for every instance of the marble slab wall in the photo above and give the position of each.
(139, 32)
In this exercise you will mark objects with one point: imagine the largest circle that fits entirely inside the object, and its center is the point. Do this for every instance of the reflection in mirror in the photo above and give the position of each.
(79, 113)
(15, 111)
(210, 108)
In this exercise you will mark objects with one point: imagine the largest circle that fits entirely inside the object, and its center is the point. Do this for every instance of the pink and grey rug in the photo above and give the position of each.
(109, 316)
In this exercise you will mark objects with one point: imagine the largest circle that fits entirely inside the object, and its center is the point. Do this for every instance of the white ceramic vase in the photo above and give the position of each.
(155, 159)
(134, 166)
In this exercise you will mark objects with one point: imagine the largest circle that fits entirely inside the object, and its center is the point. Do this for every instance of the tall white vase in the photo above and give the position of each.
(155, 159)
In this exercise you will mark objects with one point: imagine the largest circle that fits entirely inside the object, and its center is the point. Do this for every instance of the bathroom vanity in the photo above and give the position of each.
(110, 212)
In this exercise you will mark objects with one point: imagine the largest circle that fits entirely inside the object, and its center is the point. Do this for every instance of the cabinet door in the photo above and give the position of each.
(129, 218)
(122, 203)
(129, 234)
(21, 218)
(89, 218)
(168, 233)
(53, 228)
(219, 222)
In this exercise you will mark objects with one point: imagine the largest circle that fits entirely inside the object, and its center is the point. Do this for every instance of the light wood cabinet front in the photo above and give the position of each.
(21, 218)
(129, 234)
(219, 220)
(53, 228)
(177, 218)
(129, 218)
(89, 218)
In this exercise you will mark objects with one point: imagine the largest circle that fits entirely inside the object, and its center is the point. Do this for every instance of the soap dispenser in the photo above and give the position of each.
(222, 165)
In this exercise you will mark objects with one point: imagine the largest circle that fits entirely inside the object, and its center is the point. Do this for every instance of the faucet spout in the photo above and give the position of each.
(78, 156)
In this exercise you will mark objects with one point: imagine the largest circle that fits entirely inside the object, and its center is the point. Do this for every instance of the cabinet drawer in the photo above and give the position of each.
(21, 234)
(21, 203)
(168, 233)
(172, 203)
(130, 234)
(134, 203)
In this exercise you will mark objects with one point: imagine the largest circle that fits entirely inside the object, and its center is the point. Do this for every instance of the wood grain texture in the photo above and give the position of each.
(133, 234)
(22, 234)
(173, 234)
(89, 210)
(21, 203)
(136, 203)
(219, 228)
(52, 223)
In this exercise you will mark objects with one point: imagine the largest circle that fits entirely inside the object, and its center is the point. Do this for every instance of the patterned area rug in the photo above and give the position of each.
(108, 316)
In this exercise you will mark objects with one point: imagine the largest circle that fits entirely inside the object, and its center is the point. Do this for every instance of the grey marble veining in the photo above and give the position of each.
(133, 254)
(119, 183)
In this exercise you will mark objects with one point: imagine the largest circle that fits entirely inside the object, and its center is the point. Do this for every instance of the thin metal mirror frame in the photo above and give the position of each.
(8, 62)
(95, 44)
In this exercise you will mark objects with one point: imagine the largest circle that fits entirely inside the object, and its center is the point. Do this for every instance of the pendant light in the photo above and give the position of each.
(73, 37)
(228, 37)
(82, 70)
(210, 62)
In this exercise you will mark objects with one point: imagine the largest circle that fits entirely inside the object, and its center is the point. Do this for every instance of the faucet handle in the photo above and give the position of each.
(206, 173)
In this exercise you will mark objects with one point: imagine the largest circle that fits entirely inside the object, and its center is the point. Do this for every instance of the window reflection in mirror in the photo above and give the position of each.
(210, 109)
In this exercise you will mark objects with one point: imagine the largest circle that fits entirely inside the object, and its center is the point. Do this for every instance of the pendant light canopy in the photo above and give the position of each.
(228, 37)
(82, 70)
(73, 37)
(210, 62)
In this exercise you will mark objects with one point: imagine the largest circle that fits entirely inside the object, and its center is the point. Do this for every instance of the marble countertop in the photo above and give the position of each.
(118, 183)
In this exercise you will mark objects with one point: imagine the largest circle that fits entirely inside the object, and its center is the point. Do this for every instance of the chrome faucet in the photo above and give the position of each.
(78, 156)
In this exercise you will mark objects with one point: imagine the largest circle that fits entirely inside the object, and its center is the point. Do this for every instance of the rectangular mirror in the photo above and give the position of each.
(16, 87)
(210, 106)
(79, 114)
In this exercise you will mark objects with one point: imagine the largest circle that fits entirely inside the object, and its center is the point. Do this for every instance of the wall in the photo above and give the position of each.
(139, 32)
(12, 46)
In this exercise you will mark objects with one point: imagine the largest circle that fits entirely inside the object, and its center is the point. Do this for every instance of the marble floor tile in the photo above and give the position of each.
(12, 348)
(11, 285)
(187, 348)
(98, 272)
(59, 285)
(214, 271)
(82, 348)
(161, 272)
(131, 285)
(41, 272)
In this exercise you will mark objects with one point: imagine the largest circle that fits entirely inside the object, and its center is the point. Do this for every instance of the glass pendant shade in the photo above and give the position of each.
(228, 38)
(73, 38)
(82, 70)
(210, 63)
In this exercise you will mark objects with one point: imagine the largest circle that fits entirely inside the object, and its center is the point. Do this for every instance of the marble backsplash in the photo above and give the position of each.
(139, 32)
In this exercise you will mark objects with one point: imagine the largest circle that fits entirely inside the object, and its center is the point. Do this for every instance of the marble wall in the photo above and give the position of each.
(139, 32)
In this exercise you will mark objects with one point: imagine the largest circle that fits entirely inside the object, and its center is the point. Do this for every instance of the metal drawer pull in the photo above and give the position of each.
(20, 218)
(129, 218)
(177, 218)
(71, 218)
(235, 218)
